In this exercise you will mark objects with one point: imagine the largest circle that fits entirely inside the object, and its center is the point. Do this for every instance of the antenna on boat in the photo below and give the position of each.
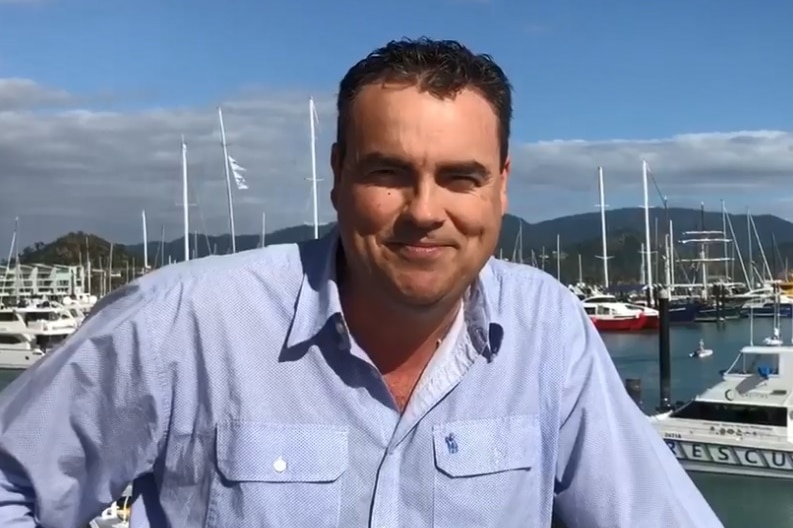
(751, 325)
(777, 318)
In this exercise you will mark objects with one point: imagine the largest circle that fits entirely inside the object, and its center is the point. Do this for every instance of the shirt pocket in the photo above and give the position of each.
(485, 472)
(272, 474)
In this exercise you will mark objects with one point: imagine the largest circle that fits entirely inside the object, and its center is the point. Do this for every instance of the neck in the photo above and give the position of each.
(395, 338)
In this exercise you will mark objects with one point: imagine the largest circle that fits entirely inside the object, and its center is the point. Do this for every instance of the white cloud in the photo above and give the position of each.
(17, 94)
(64, 169)
(705, 162)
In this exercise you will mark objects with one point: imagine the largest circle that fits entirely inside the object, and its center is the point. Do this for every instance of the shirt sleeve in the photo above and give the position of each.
(613, 469)
(86, 420)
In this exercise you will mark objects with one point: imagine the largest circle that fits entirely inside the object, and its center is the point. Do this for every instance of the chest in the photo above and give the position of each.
(401, 386)
(306, 442)
(485, 470)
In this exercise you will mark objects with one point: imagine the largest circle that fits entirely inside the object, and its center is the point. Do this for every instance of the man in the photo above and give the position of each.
(391, 374)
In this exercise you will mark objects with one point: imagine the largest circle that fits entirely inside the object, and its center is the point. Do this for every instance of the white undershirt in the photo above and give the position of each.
(444, 350)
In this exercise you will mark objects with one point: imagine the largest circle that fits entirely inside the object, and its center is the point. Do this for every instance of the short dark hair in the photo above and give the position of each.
(440, 67)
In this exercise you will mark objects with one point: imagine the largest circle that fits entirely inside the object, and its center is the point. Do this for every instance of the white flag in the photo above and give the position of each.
(237, 170)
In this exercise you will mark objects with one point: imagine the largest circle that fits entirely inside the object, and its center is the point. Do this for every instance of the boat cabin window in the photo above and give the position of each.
(599, 309)
(11, 339)
(40, 315)
(48, 342)
(732, 413)
(751, 363)
(8, 317)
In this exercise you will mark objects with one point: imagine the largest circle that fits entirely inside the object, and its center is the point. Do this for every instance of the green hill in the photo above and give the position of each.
(579, 235)
(77, 248)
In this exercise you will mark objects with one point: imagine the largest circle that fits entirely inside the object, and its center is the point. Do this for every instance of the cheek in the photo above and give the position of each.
(374, 209)
(476, 218)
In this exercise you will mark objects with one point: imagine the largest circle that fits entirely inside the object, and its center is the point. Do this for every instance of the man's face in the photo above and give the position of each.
(419, 192)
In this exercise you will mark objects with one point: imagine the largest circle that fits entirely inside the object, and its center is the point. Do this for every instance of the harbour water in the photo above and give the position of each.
(739, 501)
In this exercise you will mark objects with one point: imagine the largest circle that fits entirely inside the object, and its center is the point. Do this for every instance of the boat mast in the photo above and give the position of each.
(145, 240)
(226, 162)
(605, 256)
(185, 204)
(647, 246)
(312, 111)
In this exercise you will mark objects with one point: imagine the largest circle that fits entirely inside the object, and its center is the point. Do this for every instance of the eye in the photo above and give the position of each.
(386, 176)
(462, 182)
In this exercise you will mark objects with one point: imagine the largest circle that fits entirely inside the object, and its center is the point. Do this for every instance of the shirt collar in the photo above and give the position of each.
(318, 301)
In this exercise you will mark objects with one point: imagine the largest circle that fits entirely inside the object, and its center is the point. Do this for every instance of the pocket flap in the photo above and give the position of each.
(491, 445)
(277, 452)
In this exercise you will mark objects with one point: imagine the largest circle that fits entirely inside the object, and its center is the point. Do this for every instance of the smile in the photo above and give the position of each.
(419, 251)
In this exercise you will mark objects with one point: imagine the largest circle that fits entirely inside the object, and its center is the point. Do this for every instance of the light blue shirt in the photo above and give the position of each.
(230, 391)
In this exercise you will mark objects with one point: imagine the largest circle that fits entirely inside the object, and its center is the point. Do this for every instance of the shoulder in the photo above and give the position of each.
(199, 287)
(525, 291)
(543, 321)
(281, 261)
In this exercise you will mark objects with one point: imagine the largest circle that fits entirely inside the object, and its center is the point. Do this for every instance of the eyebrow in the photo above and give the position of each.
(378, 158)
(470, 167)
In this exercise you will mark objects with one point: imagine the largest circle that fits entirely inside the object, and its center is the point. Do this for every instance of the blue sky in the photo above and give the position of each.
(608, 73)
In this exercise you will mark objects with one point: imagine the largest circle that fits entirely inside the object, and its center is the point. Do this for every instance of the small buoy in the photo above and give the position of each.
(701, 351)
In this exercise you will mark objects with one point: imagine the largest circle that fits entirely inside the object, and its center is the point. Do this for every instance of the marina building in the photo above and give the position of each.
(41, 280)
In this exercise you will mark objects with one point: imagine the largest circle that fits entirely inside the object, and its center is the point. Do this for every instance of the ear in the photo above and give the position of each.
(336, 162)
(504, 178)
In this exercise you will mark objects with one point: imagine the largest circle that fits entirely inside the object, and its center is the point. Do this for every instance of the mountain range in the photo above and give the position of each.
(578, 234)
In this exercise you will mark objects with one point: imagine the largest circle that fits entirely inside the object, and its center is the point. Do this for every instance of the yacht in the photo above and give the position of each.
(770, 306)
(744, 424)
(610, 315)
(26, 336)
(18, 351)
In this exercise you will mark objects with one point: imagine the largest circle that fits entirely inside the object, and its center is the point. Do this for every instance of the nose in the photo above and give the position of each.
(424, 208)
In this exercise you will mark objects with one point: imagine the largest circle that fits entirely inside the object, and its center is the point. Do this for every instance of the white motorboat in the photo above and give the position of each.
(18, 351)
(744, 424)
(27, 335)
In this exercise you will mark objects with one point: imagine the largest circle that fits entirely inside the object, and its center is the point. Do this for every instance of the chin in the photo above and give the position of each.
(418, 296)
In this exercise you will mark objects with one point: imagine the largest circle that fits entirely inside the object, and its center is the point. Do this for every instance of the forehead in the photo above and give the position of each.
(403, 121)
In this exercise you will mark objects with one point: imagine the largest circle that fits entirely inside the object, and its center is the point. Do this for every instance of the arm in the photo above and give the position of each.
(613, 469)
(85, 421)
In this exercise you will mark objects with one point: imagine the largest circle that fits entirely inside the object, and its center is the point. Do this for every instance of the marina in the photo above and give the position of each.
(720, 398)
(646, 167)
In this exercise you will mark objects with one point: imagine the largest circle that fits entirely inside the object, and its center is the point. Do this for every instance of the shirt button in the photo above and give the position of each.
(279, 465)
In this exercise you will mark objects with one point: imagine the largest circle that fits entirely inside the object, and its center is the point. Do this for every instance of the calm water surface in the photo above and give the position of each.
(740, 502)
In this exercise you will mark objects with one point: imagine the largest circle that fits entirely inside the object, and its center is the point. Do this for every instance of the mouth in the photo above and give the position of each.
(419, 250)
